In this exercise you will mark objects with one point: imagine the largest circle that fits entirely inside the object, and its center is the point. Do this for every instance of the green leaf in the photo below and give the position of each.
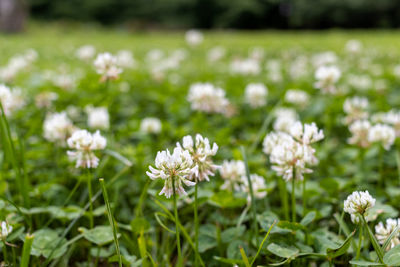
(100, 235)
(392, 257)
(45, 241)
(283, 252)
(232, 233)
(293, 226)
(233, 251)
(310, 216)
(333, 253)
(365, 263)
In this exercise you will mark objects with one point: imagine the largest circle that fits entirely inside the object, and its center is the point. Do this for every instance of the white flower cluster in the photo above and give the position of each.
(355, 109)
(359, 133)
(324, 59)
(232, 172)
(150, 126)
(216, 53)
(353, 46)
(382, 232)
(194, 37)
(297, 97)
(392, 118)
(11, 100)
(258, 185)
(201, 152)
(6, 229)
(382, 133)
(285, 118)
(98, 117)
(364, 134)
(327, 77)
(274, 70)
(17, 64)
(173, 168)
(357, 204)
(292, 152)
(256, 95)
(86, 52)
(84, 144)
(57, 127)
(247, 66)
(106, 65)
(208, 98)
(125, 59)
(359, 82)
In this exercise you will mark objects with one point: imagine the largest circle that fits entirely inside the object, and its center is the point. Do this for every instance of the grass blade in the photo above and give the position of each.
(26, 250)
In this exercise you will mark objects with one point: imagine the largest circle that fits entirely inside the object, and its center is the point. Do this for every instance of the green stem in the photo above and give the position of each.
(89, 184)
(304, 197)
(359, 243)
(294, 196)
(5, 252)
(373, 240)
(381, 181)
(178, 241)
(26, 250)
(196, 226)
(284, 197)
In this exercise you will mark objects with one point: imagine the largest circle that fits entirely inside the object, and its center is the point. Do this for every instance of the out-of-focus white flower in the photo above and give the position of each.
(150, 126)
(360, 82)
(355, 108)
(202, 153)
(231, 172)
(106, 65)
(194, 37)
(324, 58)
(353, 46)
(299, 68)
(98, 118)
(357, 204)
(64, 80)
(297, 97)
(6, 229)
(247, 66)
(216, 53)
(16, 64)
(84, 144)
(208, 98)
(359, 130)
(125, 59)
(11, 100)
(173, 168)
(285, 118)
(258, 185)
(256, 95)
(392, 117)
(45, 99)
(307, 134)
(274, 70)
(326, 77)
(57, 127)
(86, 52)
(273, 139)
(257, 53)
(396, 71)
(382, 232)
(382, 133)
(154, 55)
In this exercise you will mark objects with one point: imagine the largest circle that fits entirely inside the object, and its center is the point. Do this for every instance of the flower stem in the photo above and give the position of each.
(196, 227)
(359, 243)
(373, 240)
(5, 252)
(304, 197)
(294, 195)
(284, 197)
(89, 184)
(178, 241)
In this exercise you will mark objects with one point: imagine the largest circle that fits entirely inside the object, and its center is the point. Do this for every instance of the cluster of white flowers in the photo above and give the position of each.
(358, 204)
(194, 37)
(86, 52)
(299, 68)
(359, 130)
(173, 168)
(216, 53)
(106, 65)
(327, 77)
(392, 117)
(232, 172)
(258, 185)
(285, 118)
(11, 99)
(359, 82)
(324, 59)
(84, 144)
(57, 127)
(353, 46)
(292, 152)
(297, 97)
(201, 152)
(150, 126)
(125, 59)
(274, 70)
(208, 98)
(247, 66)
(159, 64)
(6, 229)
(17, 64)
(355, 109)
(383, 134)
(382, 232)
(256, 95)
(98, 117)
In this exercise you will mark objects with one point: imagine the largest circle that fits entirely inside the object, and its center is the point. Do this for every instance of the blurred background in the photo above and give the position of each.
(205, 14)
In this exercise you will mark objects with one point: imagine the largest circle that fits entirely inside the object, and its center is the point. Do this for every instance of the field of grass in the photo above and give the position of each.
(45, 198)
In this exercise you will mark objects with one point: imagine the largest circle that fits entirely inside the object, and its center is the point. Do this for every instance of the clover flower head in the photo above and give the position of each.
(307, 134)
(382, 232)
(86, 52)
(358, 203)
(11, 99)
(57, 127)
(6, 229)
(359, 130)
(98, 117)
(383, 134)
(106, 65)
(246, 66)
(232, 173)
(257, 183)
(255, 94)
(297, 97)
(326, 77)
(150, 126)
(84, 144)
(194, 37)
(208, 98)
(285, 118)
(355, 108)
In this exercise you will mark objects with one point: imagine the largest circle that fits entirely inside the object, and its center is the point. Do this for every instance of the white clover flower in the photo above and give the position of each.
(64, 80)
(274, 69)
(16, 64)
(84, 144)
(299, 68)
(273, 139)
(297, 97)
(201, 152)
(324, 58)
(150, 126)
(247, 66)
(358, 203)
(106, 65)
(6, 229)
(208, 98)
(258, 185)
(353, 46)
(383, 134)
(256, 95)
(382, 232)
(86, 52)
(45, 99)
(57, 127)
(98, 118)
(308, 134)
(173, 168)
(355, 108)
(194, 37)
(392, 118)
(11, 100)
(359, 130)
(327, 77)
(125, 59)
(154, 55)
(216, 53)
(231, 172)
(360, 82)
(285, 118)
